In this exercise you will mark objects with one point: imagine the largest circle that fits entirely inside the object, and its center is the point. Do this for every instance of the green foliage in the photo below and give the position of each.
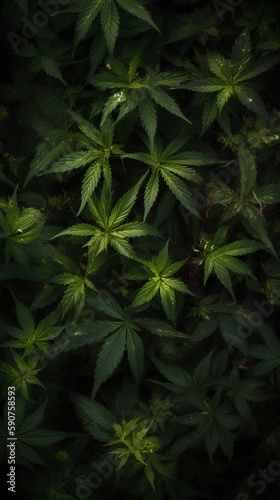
(128, 440)
(214, 424)
(243, 201)
(139, 247)
(88, 11)
(160, 273)
(99, 147)
(171, 167)
(28, 436)
(135, 446)
(132, 91)
(21, 373)
(227, 79)
(221, 258)
(112, 230)
(29, 337)
(20, 229)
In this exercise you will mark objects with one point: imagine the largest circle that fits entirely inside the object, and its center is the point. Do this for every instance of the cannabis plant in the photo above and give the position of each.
(139, 248)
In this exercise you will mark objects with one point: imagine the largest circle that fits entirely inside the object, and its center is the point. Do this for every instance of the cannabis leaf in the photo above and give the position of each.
(268, 352)
(74, 295)
(132, 91)
(120, 333)
(181, 382)
(109, 16)
(21, 373)
(160, 273)
(29, 337)
(222, 258)
(112, 230)
(232, 324)
(49, 150)
(172, 168)
(47, 57)
(97, 419)
(96, 149)
(213, 424)
(20, 229)
(243, 391)
(201, 24)
(28, 435)
(213, 304)
(227, 80)
(242, 203)
(134, 446)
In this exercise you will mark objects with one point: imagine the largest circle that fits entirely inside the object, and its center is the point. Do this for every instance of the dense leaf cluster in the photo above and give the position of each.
(139, 247)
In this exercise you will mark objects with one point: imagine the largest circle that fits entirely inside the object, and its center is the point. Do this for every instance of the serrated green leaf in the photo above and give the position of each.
(223, 276)
(223, 97)
(162, 258)
(135, 229)
(248, 170)
(43, 437)
(268, 194)
(211, 440)
(147, 292)
(151, 193)
(123, 207)
(255, 68)
(160, 328)
(137, 9)
(205, 328)
(167, 296)
(241, 51)
(87, 128)
(123, 247)
(240, 247)
(110, 21)
(135, 353)
(70, 162)
(219, 66)
(25, 318)
(209, 84)
(251, 100)
(174, 374)
(89, 10)
(78, 230)
(167, 102)
(51, 67)
(94, 412)
(109, 357)
(236, 266)
(210, 112)
(89, 184)
(201, 371)
(148, 117)
(180, 190)
(255, 224)
(178, 285)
